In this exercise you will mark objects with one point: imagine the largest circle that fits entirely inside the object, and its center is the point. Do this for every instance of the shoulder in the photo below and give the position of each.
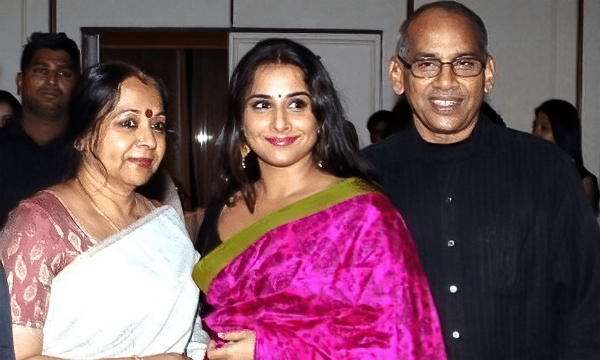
(38, 214)
(390, 146)
(532, 154)
(372, 206)
(527, 145)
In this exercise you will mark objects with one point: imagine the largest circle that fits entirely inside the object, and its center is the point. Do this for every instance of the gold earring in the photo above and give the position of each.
(245, 152)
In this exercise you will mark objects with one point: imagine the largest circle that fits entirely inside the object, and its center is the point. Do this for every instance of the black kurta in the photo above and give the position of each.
(26, 167)
(507, 238)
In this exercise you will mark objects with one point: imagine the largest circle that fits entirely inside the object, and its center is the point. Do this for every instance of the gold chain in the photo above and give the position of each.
(95, 206)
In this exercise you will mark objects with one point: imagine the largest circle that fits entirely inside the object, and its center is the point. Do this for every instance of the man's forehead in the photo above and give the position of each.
(437, 33)
(49, 57)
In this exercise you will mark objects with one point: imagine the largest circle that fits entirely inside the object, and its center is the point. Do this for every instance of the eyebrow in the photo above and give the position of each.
(137, 112)
(263, 96)
(456, 56)
(47, 64)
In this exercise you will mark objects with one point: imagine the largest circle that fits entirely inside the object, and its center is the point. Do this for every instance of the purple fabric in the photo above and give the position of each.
(344, 283)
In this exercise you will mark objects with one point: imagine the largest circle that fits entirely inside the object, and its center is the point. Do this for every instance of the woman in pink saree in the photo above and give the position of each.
(304, 258)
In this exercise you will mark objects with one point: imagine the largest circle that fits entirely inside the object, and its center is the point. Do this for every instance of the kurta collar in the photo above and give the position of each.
(486, 139)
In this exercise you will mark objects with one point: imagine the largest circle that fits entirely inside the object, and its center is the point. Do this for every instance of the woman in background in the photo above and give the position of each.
(96, 270)
(302, 257)
(558, 122)
(10, 108)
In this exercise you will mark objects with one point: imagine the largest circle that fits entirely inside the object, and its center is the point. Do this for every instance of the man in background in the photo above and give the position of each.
(35, 150)
(506, 235)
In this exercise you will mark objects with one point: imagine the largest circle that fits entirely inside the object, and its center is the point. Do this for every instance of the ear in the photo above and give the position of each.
(19, 82)
(84, 144)
(489, 75)
(397, 75)
(245, 150)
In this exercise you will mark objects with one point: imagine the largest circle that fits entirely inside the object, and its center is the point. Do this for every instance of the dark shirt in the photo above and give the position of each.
(6, 341)
(26, 167)
(208, 240)
(507, 238)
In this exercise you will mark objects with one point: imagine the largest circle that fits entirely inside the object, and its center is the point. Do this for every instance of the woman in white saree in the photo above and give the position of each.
(95, 269)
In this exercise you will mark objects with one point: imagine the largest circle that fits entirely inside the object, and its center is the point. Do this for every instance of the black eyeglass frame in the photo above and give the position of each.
(409, 66)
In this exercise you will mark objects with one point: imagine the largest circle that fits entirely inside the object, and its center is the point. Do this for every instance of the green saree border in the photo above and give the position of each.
(209, 266)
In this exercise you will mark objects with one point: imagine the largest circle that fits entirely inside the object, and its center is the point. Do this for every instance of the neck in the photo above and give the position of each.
(43, 130)
(301, 178)
(431, 136)
(116, 203)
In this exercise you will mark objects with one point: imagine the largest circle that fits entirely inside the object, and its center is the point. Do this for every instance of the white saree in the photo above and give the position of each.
(130, 295)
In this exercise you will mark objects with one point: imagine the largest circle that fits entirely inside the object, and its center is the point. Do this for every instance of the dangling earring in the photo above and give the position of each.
(245, 152)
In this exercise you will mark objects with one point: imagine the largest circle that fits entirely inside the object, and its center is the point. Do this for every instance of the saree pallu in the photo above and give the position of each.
(333, 276)
(130, 295)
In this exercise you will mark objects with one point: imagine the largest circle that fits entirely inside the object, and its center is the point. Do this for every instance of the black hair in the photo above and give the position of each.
(96, 96)
(451, 7)
(6, 97)
(492, 114)
(385, 116)
(59, 41)
(566, 128)
(335, 149)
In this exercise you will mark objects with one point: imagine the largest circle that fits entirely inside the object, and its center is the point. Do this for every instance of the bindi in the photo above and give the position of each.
(148, 113)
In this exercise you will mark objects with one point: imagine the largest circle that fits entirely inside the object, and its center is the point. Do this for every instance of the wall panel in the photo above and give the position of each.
(378, 15)
(72, 15)
(591, 86)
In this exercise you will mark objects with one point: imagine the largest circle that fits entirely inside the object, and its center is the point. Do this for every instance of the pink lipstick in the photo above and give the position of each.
(142, 162)
(282, 141)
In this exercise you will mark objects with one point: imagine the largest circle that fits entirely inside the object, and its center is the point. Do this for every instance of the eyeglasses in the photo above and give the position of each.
(429, 68)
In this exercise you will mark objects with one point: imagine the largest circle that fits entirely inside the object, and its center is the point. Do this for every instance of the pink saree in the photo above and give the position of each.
(333, 276)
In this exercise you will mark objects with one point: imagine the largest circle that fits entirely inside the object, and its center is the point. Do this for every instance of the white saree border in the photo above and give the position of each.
(130, 295)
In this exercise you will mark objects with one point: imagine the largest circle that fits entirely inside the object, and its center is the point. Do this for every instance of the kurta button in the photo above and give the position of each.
(449, 199)
(453, 289)
(450, 243)
(455, 334)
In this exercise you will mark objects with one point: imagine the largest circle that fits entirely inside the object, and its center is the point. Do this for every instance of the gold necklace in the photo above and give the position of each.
(95, 206)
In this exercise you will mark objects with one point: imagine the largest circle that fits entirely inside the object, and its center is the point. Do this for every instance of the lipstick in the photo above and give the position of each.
(142, 162)
(282, 141)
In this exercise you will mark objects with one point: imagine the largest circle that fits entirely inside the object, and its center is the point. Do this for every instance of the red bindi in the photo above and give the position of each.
(148, 113)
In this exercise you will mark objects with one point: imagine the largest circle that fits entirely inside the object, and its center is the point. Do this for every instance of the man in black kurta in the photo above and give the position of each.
(28, 167)
(506, 236)
(35, 150)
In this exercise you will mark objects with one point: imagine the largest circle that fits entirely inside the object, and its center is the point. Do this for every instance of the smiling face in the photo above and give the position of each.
(445, 107)
(279, 125)
(132, 137)
(46, 84)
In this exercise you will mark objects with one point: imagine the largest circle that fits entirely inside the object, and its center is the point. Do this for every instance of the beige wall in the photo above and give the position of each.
(591, 86)
(534, 41)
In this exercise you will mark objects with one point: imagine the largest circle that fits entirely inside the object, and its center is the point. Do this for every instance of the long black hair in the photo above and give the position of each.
(335, 149)
(566, 129)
